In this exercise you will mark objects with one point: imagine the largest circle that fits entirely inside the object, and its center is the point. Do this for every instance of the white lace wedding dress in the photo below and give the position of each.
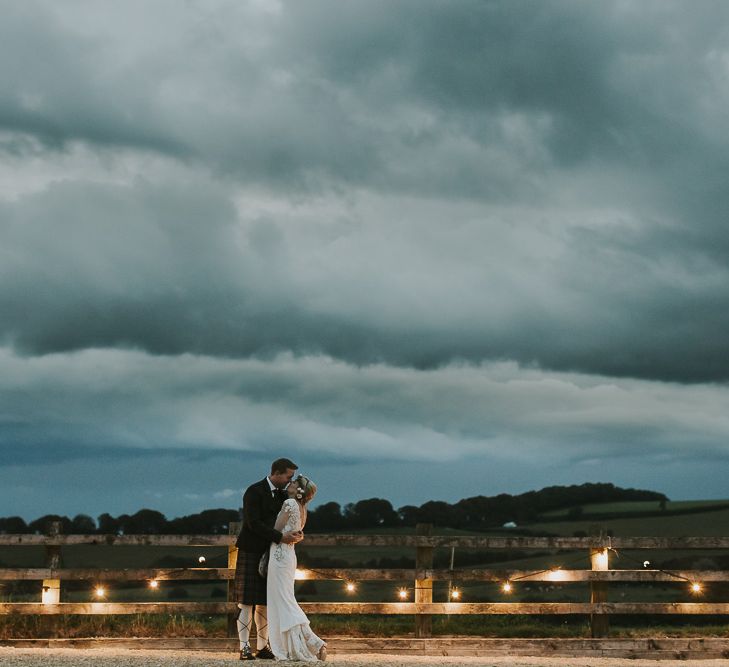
(289, 633)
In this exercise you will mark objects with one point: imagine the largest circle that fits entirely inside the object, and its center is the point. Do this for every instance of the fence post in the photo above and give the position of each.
(599, 623)
(51, 591)
(423, 587)
(450, 581)
(233, 529)
(51, 588)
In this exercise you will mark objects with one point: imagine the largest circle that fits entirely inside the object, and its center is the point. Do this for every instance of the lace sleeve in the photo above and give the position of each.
(285, 515)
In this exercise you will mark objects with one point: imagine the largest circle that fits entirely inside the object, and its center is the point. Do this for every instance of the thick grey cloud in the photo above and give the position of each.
(105, 410)
(326, 407)
(171, 268)
(480, 99)
(574, 158)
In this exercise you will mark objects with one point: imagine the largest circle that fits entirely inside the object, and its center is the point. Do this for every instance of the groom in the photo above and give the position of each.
(261, 504)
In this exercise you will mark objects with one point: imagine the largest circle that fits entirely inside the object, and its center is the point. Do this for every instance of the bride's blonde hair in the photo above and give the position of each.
(307, 488)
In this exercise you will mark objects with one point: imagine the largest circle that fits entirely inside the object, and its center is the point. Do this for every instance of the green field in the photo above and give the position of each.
(695, 524)
(638, 507)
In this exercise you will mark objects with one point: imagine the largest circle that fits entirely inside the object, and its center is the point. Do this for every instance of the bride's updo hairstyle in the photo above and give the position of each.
(307, 488)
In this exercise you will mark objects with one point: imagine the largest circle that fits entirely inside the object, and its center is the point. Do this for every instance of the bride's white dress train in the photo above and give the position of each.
(289, 633)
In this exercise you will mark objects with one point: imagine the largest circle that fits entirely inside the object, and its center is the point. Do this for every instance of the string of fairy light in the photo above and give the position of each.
(100, 591)
(556, 573)
(602, 556)
(694, 586)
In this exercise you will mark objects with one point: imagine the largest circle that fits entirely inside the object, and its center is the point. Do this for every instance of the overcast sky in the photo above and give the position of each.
(428, 250)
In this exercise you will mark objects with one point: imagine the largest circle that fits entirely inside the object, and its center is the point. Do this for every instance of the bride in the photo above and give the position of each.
(289, 633)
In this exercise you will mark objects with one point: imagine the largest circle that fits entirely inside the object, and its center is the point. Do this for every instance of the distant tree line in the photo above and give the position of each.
(144, 522)
(477, 513)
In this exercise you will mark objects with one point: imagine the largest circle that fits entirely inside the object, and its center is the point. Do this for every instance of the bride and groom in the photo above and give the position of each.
(274, 514)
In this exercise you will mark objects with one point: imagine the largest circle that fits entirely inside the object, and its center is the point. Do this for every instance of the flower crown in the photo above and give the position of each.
(303, 484)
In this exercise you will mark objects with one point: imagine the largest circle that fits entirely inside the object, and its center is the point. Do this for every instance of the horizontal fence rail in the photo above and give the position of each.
(410, 541)
(401, 608)
(357, 574)
(420, 579)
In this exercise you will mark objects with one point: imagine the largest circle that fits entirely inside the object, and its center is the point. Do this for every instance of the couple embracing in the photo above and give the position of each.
(274, 514)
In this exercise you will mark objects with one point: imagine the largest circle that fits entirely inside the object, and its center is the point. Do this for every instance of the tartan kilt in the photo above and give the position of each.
(249, 587)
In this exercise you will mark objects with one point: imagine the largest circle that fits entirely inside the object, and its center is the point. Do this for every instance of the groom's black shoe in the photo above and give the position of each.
(246, 654)
(265, 654)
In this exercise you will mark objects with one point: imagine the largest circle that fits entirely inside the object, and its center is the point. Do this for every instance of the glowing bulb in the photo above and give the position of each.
(601, 560)
(556, 575)
(50, 594)
(403, 594)
(455, 594)
(506, 587)
(646, 563)
(201, 559)
(696, 587)
(100, 591)
(154, 583)
(299, 574)
(350, 587)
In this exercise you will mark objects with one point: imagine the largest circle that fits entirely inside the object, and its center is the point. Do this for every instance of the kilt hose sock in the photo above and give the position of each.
(243, 623)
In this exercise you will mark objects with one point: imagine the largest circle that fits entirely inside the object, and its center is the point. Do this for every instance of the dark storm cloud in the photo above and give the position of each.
(95, 265)
(205, 90)
(478, 99)
(541, 182)
(54, 87)
(17, 449)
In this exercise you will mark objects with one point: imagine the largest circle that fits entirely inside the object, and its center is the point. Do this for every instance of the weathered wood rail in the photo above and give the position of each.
(421, 578)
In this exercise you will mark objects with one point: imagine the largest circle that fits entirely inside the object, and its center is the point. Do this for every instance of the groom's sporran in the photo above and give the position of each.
(263, 564)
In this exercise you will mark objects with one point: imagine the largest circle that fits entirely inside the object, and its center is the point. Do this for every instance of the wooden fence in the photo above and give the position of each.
(420, 578)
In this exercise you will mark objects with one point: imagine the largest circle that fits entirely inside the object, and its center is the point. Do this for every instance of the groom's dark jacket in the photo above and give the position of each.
(260, 509)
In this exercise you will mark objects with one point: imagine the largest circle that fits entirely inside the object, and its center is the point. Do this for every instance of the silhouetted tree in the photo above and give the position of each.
(42, 525)
(144, 522)
(108, 525)
(82, 524)
(325, 517)
(370, 513)
(13, 525)
(408, 515)
(437, 512)
(208, 522)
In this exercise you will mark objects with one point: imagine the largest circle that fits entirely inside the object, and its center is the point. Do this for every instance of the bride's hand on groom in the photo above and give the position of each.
(292, 537)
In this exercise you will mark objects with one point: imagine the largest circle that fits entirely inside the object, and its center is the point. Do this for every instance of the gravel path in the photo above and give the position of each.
(113, 657)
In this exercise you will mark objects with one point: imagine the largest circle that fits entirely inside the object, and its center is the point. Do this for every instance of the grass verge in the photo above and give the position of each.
(180, 625)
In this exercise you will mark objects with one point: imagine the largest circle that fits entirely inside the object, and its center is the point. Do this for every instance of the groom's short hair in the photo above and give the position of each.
(282, 465)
